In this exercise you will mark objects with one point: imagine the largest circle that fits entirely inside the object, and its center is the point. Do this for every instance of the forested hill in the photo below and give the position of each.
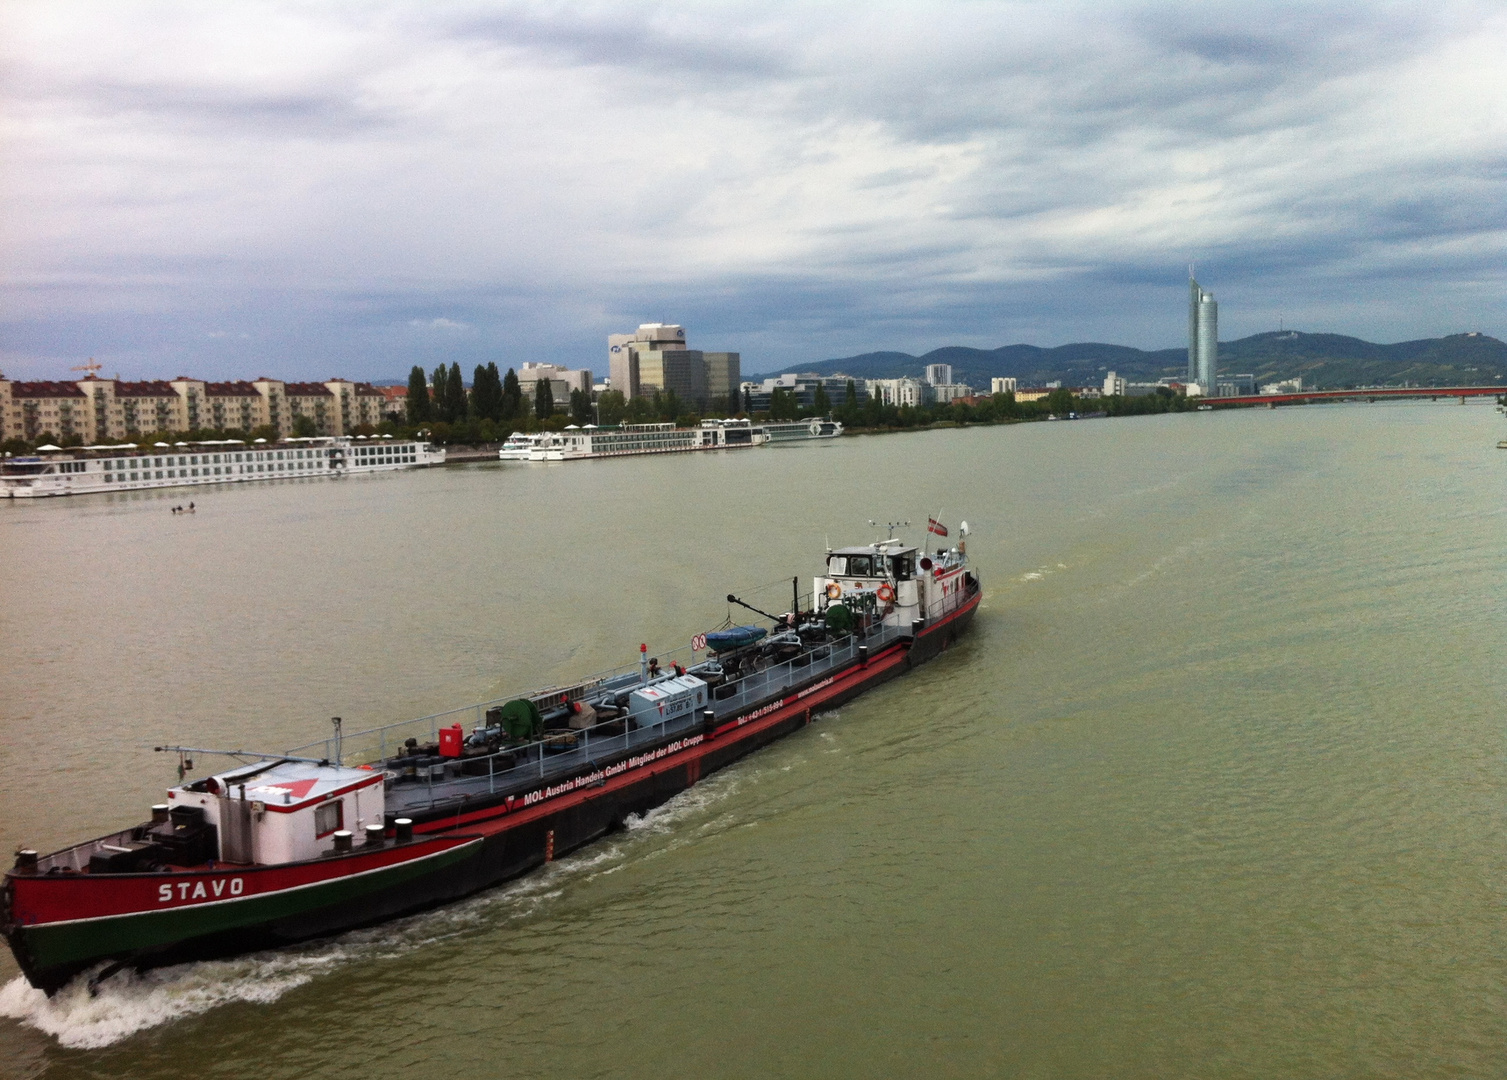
(1325, 360)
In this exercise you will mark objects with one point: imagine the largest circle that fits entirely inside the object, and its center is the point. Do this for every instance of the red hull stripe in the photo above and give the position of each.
(73, 898)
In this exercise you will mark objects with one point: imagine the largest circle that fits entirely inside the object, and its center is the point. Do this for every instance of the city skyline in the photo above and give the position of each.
(256, 188)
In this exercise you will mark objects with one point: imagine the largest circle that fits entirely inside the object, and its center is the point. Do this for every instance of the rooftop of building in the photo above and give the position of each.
(45, 389)
(146, 388)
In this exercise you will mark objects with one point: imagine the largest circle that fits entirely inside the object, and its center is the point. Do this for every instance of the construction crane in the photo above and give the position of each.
(92, 367)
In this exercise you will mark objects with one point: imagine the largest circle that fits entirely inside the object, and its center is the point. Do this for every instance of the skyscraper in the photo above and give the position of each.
(1203, 337)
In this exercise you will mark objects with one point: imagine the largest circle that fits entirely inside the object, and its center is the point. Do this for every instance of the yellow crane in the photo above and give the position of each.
(92, 367)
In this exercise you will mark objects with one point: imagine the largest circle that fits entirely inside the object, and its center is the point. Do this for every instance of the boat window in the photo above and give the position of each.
(901, 566)
(860, 566)
(328, 817)
(837, 565)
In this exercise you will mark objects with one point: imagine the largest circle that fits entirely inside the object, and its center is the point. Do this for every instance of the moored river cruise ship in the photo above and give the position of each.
(94, 469)
(630, 439)
(266, 849)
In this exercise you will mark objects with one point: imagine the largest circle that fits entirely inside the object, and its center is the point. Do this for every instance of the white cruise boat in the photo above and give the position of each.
(631, 439)
(92, 469)
(794, 430)
(519, 446)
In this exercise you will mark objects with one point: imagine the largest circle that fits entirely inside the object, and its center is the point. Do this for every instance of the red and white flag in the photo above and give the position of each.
(935, 526)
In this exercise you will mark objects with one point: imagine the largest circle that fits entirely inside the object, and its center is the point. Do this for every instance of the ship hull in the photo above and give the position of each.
(57, 929)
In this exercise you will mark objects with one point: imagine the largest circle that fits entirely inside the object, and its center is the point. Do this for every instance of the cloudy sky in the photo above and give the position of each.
(301, 190)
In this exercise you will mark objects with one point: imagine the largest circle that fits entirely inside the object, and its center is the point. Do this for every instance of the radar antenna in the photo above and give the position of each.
(890, 525)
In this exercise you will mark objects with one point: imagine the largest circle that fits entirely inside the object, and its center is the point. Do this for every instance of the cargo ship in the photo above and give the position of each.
(360, 828)
(96, 469)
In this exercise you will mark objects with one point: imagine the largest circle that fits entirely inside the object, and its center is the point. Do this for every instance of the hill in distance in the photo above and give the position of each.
(1323, 360)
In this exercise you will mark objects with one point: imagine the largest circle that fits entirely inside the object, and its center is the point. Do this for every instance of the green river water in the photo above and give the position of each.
(1215, 788)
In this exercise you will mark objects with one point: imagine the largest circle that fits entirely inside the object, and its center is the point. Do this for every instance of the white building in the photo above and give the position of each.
(561, 382)
(898, 391)
(939, 374)
(1002, 386)
(1114, 386)
(942, 393)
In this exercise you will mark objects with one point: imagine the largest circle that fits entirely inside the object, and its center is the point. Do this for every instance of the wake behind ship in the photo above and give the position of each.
(363, 828)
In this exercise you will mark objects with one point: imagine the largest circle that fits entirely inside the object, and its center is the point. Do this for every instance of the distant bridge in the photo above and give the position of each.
(1430, 392)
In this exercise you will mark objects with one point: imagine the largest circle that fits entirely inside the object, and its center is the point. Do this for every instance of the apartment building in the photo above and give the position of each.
(110, 410)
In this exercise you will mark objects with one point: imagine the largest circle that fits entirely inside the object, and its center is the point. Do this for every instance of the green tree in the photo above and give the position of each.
(486, 393)
(455, 395)
(512, 396)
(611, 407)
(494, 384)
(639, 410)
(440, 382)
(304, 427)
(747, 402)
(418, 405)
(1060, 401)
(820, 405)
(266, 431)
(580, 407)
(544, 398)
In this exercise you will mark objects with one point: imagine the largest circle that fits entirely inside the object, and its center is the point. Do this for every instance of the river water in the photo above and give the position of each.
(1215, 787)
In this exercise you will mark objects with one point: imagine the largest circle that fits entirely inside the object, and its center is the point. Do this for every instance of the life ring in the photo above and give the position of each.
(885, 593)
(834, 590)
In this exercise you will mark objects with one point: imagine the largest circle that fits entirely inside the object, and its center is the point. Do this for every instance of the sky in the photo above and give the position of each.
(310, 190)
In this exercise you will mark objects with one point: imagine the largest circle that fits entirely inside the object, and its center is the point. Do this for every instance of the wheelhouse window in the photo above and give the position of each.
(837, 565)
(902, 566)
(328, 818)
(860, 566)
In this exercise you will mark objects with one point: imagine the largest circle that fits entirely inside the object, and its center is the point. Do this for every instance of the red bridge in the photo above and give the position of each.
(1430, 392)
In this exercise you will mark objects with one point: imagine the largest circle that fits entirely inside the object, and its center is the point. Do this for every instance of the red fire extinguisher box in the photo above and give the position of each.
(451, 740)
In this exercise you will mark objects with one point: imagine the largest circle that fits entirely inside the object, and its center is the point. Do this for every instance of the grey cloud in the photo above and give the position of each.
(822, 180)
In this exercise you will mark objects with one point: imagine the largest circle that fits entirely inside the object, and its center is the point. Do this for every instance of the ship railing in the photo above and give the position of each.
(542, 759)
(372, 744)
(776, 678)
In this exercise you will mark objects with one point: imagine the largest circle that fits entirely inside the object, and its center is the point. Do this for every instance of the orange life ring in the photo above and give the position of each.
(885, 593)
(834, 590)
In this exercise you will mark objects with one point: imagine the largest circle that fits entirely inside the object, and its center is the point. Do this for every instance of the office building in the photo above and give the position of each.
(1237, 385)
(1002, 386)
(939, 374)
(1203, 337)
(654, 359)
(724, 377)
(624, 351)
(756, 397)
